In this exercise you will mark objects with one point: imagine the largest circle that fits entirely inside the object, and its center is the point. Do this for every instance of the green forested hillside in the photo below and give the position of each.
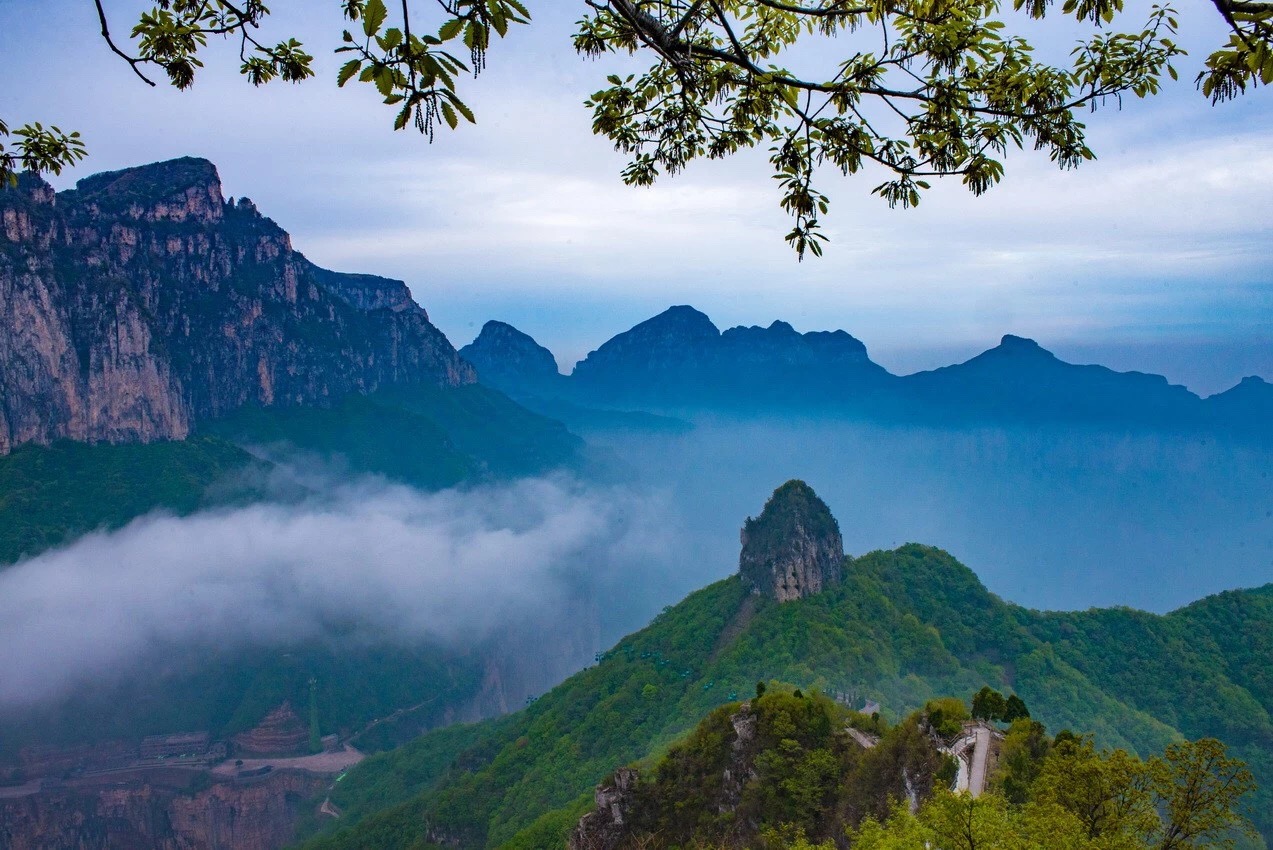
(49, 495)
(429, 437)
(903, 627)
(423, 436)
(792, 770)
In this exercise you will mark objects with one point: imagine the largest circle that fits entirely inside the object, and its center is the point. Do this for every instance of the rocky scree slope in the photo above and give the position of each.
(143, 302)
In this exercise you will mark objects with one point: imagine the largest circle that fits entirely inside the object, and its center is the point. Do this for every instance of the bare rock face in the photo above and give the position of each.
(609, 826)
(256, 814)
(793, 549)
(142, 302)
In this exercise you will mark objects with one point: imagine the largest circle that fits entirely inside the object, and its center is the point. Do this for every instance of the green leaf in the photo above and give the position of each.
(347, 71)
(451, 29)
(384, 80)
(464, 110)
(374, 17)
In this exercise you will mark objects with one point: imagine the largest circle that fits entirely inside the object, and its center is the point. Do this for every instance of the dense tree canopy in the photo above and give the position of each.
(918, 88)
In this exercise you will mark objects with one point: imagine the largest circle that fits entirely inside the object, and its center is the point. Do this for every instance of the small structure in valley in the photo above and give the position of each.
(793, 549)
(176, 745)
(282, 732)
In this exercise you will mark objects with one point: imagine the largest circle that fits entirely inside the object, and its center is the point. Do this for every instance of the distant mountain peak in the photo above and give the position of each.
(659, 345)
(508, 358)
(1021, 345)
(794, 548)
(684, 317)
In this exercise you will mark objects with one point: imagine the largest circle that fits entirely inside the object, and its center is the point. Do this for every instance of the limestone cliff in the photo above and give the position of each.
(256, 814)
(143, 302)
(793, 549)
(609, 826)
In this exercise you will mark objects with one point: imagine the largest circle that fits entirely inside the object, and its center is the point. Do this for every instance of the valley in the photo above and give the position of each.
(299, 570)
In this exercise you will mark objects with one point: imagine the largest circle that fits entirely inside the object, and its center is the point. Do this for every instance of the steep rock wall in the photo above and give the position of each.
(257, 815)
(142, 302)
(794, 548)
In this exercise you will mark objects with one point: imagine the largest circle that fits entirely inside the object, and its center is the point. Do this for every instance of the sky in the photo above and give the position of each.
(1157, 256)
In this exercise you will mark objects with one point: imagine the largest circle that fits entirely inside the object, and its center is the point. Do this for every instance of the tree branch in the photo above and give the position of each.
(132, 61)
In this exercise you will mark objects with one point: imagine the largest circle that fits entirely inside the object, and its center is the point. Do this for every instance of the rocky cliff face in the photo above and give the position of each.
(143, 302)
(793, 549)
(259, 814)
(511, 360)
(622, 812)
(608, 826)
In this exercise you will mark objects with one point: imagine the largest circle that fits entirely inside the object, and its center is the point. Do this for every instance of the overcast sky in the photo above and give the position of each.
(1156, 257)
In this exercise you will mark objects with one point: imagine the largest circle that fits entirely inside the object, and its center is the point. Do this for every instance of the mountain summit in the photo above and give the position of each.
(507, 358)
(793, 549)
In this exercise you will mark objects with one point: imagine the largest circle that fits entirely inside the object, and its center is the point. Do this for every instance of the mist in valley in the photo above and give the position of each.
(543, 570)
(1048, 517)
(540, 574)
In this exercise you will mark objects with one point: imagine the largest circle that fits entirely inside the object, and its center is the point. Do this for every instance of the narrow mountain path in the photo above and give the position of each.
(863, 739)
(980, 758)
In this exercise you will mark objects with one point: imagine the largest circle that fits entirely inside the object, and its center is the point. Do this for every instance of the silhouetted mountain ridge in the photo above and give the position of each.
(679, 362)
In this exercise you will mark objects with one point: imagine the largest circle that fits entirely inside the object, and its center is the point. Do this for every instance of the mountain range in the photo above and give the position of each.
(142, 303)
(165, 348)
(679, 361)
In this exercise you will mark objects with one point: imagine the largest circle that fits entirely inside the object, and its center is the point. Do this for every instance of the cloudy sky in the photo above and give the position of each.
(1156, 257)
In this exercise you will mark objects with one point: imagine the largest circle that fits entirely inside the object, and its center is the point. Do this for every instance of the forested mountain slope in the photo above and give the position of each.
(428, 437)
(901, 627)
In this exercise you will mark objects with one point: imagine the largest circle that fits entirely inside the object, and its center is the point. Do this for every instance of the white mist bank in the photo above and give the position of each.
(369, 559)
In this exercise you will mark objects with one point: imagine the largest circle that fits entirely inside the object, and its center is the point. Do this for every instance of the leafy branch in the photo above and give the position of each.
(922, 89)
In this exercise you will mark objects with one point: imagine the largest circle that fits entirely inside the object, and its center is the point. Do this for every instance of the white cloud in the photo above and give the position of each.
(385, 562)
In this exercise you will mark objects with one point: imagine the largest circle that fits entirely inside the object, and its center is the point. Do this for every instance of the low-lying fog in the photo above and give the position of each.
(365, 560)
(1047, 519)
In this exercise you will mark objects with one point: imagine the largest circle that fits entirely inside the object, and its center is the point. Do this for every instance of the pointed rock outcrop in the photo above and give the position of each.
(794, 548)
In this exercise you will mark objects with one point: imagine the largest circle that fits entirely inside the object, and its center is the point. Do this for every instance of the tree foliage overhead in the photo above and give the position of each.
(918, 88)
